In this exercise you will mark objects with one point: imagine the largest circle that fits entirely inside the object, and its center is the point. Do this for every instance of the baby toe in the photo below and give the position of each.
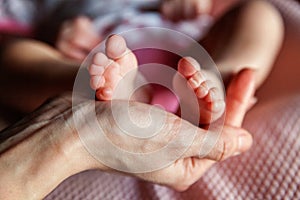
(196, 80)
(104, 93)
(214, 94)
(202, 90)
(115, 47)
(95, 70)
(97, 82)
(188, 66)
(112, 76)
(101, 59)
(111, 72)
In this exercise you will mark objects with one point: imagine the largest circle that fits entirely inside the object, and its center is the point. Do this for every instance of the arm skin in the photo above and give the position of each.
(43, 149)
(31, 72)
(250, 34)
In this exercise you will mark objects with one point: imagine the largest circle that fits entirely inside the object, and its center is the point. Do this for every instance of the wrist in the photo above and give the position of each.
(41, 154)
(77, 156)
(26, 165)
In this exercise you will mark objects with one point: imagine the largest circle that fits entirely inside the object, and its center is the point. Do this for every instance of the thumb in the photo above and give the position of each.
(232, 141)
(239, 94)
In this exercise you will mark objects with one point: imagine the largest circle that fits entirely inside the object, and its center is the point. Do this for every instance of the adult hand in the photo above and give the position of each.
(46, 148)
(77, 38)
(232, 141)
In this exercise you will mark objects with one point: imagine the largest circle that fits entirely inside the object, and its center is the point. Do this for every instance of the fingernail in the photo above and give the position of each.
(252, 102)
(244, 142)
(106, 92)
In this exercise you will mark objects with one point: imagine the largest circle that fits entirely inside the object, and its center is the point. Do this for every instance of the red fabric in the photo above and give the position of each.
(8, 26)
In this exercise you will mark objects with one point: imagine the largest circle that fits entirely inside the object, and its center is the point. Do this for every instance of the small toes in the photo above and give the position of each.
(97, 82)
(104, 93)
(106, 82)
(112, 77)
(115, 47)
(112, 72)
(101, 60)
(188, 66)
(96, 70)
(196, 80)
(213, 95)
(202, 90)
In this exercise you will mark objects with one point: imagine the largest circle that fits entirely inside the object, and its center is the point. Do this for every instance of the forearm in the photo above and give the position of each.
(42, 153)
(26, 167)
(32, 72)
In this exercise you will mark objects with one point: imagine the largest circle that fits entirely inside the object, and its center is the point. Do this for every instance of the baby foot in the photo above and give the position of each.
(206, 88)
(108, 69)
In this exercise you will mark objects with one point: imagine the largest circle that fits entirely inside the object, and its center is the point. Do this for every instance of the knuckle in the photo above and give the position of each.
(227, 148)
(223, 151)
(183, 181)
